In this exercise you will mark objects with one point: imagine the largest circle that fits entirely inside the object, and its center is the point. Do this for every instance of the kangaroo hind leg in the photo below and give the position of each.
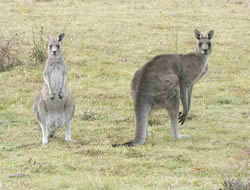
(141, 120)
(173, 111)
(69, 113)
(44, 133)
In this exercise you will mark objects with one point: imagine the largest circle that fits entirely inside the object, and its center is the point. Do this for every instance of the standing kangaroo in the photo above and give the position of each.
(54, 106)
(162, 81)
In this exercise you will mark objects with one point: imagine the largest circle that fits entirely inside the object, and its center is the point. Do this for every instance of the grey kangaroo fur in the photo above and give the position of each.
(164, 80)
(54, 106)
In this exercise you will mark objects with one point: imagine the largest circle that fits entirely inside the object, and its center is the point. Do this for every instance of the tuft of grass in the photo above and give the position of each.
(224, 101)
(39, 50)
(235, 184)
(88, 115)
(10, 53)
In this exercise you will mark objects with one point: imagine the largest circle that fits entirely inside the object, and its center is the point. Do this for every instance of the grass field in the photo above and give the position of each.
(106, 42)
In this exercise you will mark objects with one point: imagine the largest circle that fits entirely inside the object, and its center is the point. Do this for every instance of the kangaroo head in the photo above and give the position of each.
(204, 44)
(55, 46)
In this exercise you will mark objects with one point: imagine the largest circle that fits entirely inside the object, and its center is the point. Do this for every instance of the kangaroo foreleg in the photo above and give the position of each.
(184, 88)
(46, 78)
(189, 97)
(61, 94)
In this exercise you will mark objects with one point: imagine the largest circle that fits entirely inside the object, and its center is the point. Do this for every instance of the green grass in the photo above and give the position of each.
(105, 43)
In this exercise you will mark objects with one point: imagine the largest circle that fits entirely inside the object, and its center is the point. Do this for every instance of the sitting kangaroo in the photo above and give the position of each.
(162, 81)
(54, 106)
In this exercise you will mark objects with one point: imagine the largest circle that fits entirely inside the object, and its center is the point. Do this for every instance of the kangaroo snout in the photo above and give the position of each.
(206, 51)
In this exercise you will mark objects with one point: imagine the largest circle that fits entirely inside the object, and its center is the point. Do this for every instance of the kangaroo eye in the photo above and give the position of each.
(209, 44)
(50, 46)
(57, 46)
(200, 44)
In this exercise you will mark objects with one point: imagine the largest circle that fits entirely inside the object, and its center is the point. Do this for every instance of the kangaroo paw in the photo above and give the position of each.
(61, 95)
(180, 137)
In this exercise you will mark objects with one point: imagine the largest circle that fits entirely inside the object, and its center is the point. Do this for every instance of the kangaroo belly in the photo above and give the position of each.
(56, 81)
(55, 112)
(55, 105)
(55, 120)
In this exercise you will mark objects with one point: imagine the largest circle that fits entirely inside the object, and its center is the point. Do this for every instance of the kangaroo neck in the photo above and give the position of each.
(203, 57)
(56, 59)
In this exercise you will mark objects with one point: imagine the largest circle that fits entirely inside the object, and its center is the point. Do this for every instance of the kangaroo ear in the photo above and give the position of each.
(60, 37)
(49, 37)
(198, 34)
(210, 34)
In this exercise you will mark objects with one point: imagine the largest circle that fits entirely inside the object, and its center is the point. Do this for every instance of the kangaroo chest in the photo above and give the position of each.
(195, 69)
(56, 72)
(204, 71)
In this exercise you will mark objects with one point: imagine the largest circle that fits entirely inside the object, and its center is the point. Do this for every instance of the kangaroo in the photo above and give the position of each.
(54, 106)
(164, 80)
